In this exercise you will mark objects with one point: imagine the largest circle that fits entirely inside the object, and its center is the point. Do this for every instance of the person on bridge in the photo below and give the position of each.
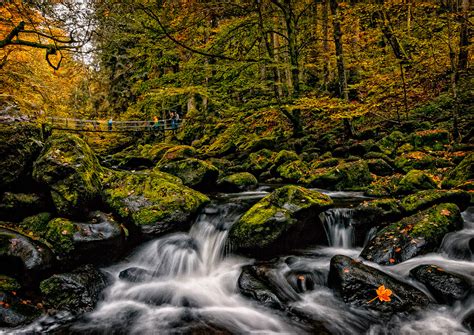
(156, 123)
(109, 124)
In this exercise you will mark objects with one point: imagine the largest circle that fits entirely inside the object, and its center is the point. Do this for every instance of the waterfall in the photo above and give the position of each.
(339, 228)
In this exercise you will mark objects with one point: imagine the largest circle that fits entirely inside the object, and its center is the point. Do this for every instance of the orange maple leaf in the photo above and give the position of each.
(383, 294)
(445, 212)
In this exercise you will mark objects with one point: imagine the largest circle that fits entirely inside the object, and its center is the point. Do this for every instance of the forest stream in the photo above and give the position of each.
(189, 283)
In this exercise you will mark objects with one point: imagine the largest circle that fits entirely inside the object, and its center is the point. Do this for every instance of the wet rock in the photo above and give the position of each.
(135, 275)
(20, 256)
(345, 176)
(468, 321)
(379, 210)
(461, 174)
(194, 173)
(76, 292)
(155, 202)
(252, 287)
(20, 144)
(416, 180)
(424, 199)
(285, 218)
(238, 182)
(414, 235)
(357, 283)
(15, 311)
(69, 168)
(445, 286)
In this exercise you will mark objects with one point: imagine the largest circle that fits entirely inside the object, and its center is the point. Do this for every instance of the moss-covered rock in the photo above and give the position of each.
(372, 213)
(434, 139)
(345, 176)
(287, 217)
(176, 153)
(257, 144)
(16, 206)
(71, 171)
(8, 284)
(152, 201)
(193, 172)
(36, 224)
(238, 182)
(77, 292)
(414, 181)
(389, 144)
(384, 186)
(285, 156)
(379, 155)
(379, 167)
(260, 161)
(292, 171)
(328, 162)
(461, 174)
(413, 236)
(19, 146)
(154, 152)
(419, 160)
(424, 199)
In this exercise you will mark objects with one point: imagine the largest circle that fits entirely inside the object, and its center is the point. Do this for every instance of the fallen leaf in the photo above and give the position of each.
(383, 294)
(445, 212)
(391, 260)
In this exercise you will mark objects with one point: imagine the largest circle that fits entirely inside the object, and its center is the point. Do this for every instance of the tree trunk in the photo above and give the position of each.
(463, 56)
(325, 45)
(341, 70)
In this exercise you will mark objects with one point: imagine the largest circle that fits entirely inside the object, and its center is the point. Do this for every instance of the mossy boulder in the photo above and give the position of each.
(379, 167)
(258, 144)
(424, 199)
(21, 256)
(285, 156)
(420, 161)
(260, 161)
(156, 201)
(286, 217)
(292, 171)
(384, 186)
(19, 146)
(414, 181)
(238, 182)
(389, 144)
(434, 139)
(345, 176)
(16, 206)
(374, 212)
(69, 168)
(8, 284)
(193, 172)
(77, 292)
(461, 174)
(177, 153)
(328, 162)
(379, 155)
(154, 152)
(413, 236)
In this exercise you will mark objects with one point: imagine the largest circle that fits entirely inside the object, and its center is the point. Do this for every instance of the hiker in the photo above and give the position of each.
(109, 124)
(156, 123)
(173, 120)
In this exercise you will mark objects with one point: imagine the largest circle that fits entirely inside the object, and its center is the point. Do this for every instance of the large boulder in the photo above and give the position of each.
(69, 168)
(414, 235)
(194, 173)
(23, 257)
(285, 156)
(19, 146)
(156, 202)
(445, 286)
(461, 174)
(285, 218)
(434, 139)
(77, 292)
(357, 283)
(389, 144)
(260, 161)
(177, 153)
(416, 180)
(424, 199)
(292, 171)
(379, 167)
(345, 176)
(419, 160)
(238, 182)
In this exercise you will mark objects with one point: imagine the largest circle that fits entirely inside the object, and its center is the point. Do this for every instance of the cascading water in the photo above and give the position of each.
(186, 283)
(339, 228)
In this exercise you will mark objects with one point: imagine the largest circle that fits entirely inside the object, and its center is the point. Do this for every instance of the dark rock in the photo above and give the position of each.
(412, 236)
(461, 174)
(135, 275)
(76, 292)
(15, 311)
(357, 283)
(16, 206)
(238, 182)
(379, 167)
(445, 286)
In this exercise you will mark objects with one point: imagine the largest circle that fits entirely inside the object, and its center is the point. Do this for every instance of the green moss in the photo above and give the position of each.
(416, 180)
(149, 199)
(345, 176)
(407, 147)
(60, 234)
(461, 174)
(428, 198)
(177, 153)
(8, 284)
(384, 186)
(434, 223)
(72, 172)
(193, 172)
(329, 162)
(241, 179)
(154, 152)
(285, 156)
(260, 161)
(379, 167)
(390, 143)
(292, 171)
(434, 139)
(37, 223)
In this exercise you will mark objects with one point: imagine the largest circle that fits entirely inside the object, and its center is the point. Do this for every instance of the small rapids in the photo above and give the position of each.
(186, 283)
